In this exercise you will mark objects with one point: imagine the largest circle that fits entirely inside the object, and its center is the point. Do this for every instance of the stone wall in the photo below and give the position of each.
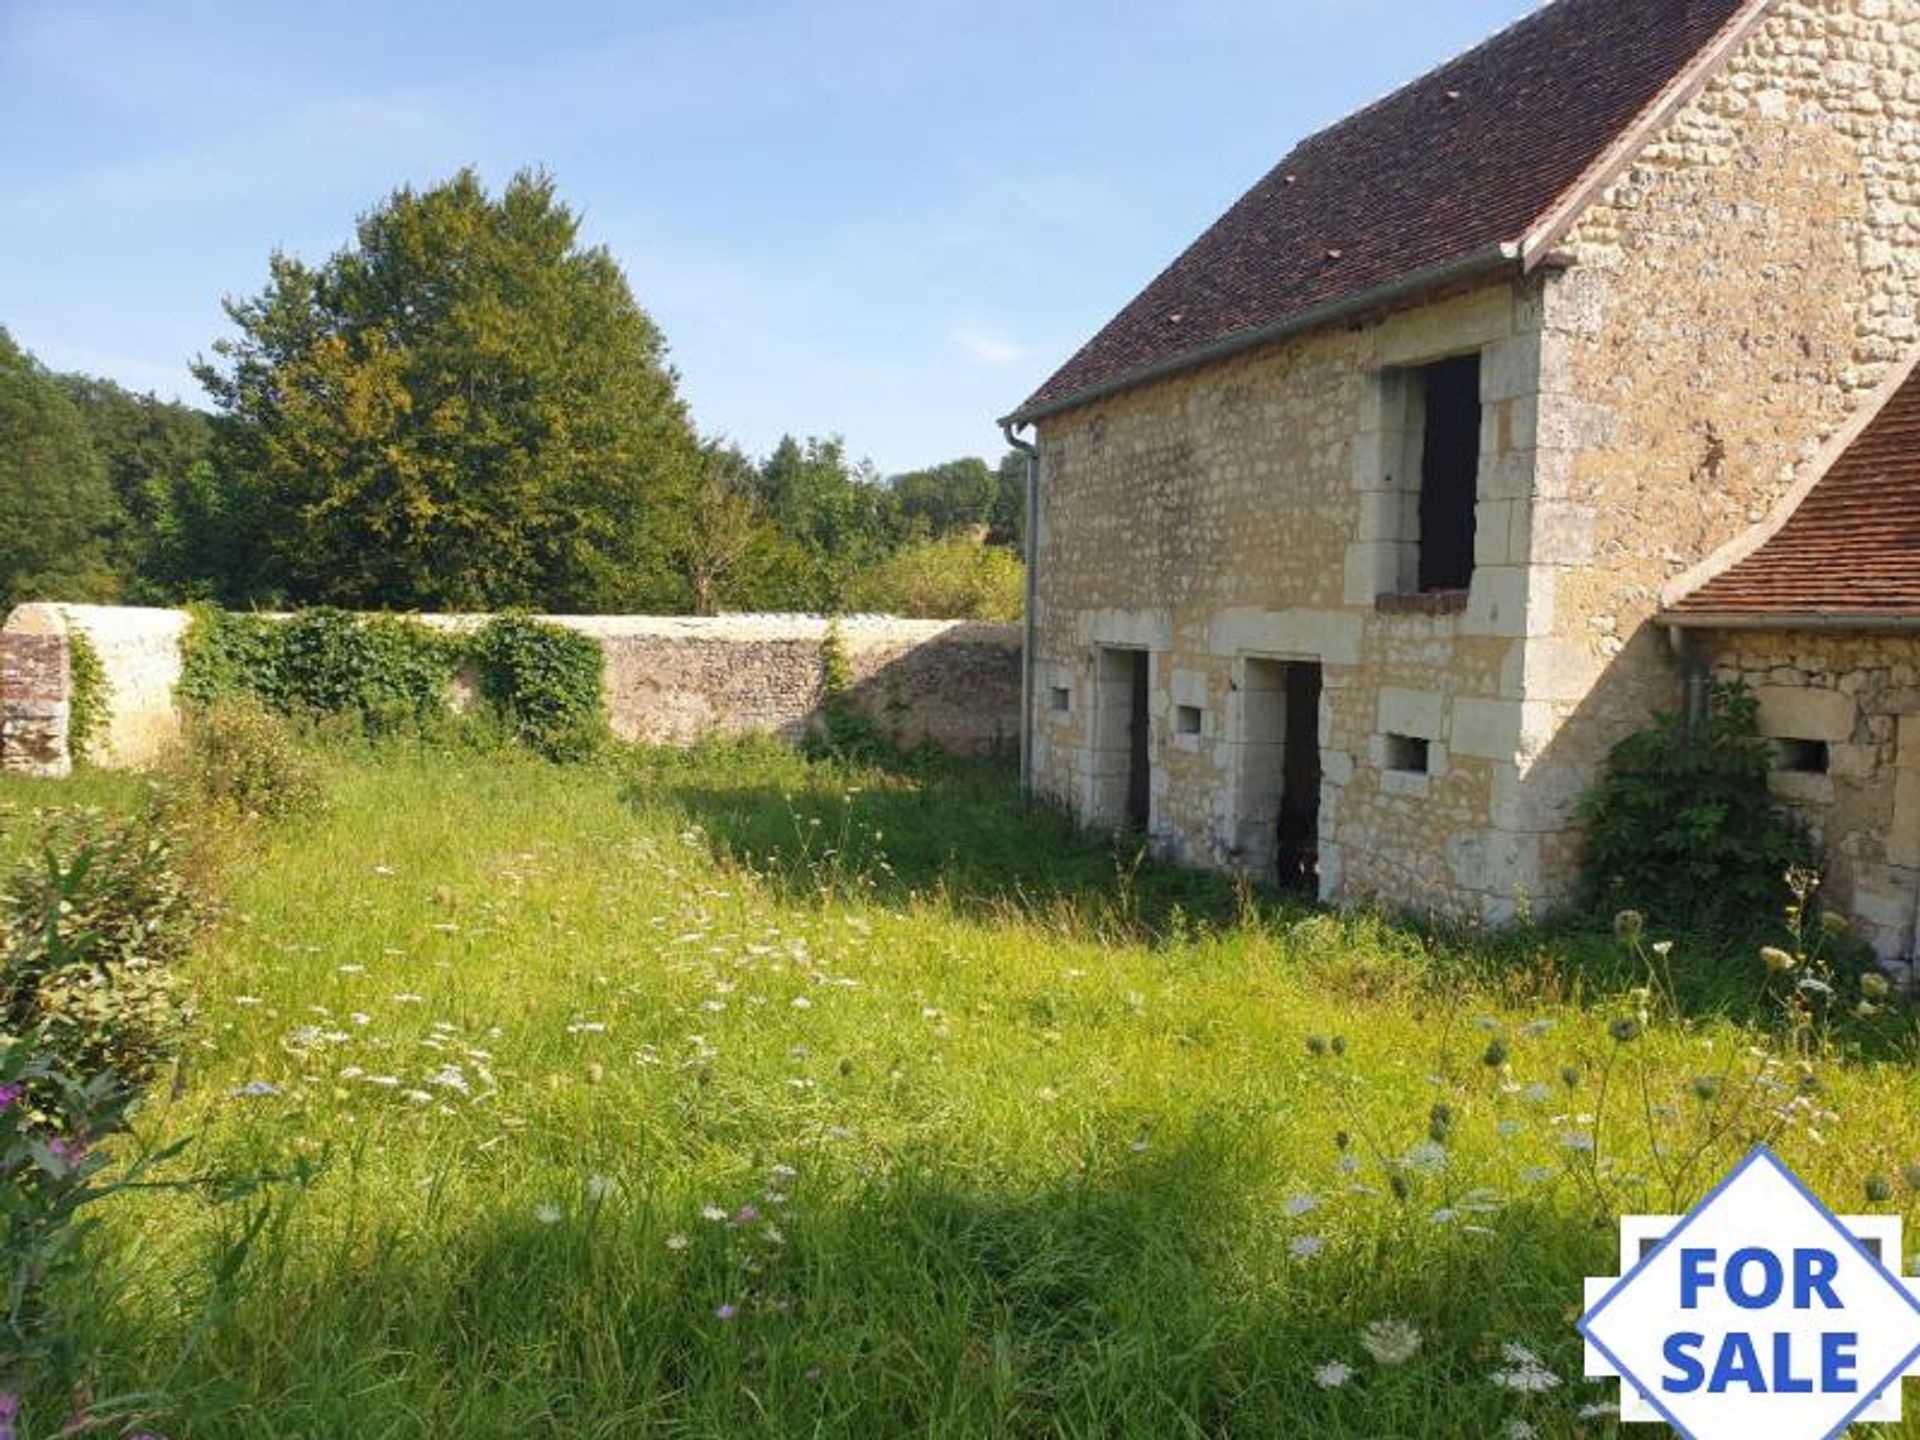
(1726, 305)
(1851, 702)
(1247, 512)
(952, 685)
(1733, 301)
(34, 685)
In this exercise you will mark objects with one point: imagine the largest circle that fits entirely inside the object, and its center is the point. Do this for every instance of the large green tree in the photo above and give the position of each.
(946, 499)
(466, 408)
(837, 513)
(55, 503)
(151, 448)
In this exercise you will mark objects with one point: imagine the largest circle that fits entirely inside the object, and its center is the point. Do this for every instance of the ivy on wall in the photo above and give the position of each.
(388, 673)
(88, 694)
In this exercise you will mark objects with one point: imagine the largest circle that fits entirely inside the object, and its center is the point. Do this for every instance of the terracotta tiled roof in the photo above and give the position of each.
(1472, 156)
(1851, 548)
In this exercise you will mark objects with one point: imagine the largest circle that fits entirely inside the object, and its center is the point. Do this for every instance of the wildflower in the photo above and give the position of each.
(677, 1242)
(1874, 985)
(1316, 1045)
(247, 1001)
(599, 1187)
(1777, 961)
(712, 1213)
(1507, 1129)
(1301, 1204)
(252, 1090)
(67, 1152)
(1138, 1145)
(1333, 1374)
(1663, 948)
(726, 1312)
(419, 1097)
(1706, 1087)
(1539, 1092)
(1526, 1373)
(1440, 1123)
(745, 1215)
(783, 1174)
(1577, 1140)
(1600, 1410)
(1629, 926)
(10, 1094)
(1879, 1190)
(801, 1002)
(409, 998)
(1625, 1029)
(1426, 1157)
(1519, 1430)
(547, 1214)
(1570, 1076)
(1496, 1054)
(1307, 1246)
(1390, 1342)
(9, 1410)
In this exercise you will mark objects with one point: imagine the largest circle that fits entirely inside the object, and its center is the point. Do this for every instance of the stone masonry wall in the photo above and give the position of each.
(1740, 291)
(34, 703)
(1859, 697)
(952, 685)
(1248, 512)
(1726, 305)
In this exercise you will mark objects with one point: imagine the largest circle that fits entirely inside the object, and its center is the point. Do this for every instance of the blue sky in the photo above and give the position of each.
(888, 219)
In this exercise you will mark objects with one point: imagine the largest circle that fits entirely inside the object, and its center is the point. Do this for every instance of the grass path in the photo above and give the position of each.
(637, 1103)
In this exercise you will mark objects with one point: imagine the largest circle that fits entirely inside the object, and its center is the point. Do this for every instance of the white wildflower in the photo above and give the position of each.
(1390, 1342)
(1301, 1204)
(1333, 1375)
(1307, 1246)
(547, 1214)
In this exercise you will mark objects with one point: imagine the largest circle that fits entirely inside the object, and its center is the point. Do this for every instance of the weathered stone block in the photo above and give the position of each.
(1805, 713)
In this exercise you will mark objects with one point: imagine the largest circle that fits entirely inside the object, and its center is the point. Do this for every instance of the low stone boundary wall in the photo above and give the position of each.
(954, 685)
(34, 704)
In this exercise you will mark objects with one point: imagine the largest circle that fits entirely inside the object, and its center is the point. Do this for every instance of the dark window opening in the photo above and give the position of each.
(1062, 699)
(1449, 473)
(1298, 841)
(1803, 757)
(1187, 720)
(1409, 754)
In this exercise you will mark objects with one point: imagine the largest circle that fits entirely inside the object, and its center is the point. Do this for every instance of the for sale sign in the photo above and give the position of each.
(1761, 1315)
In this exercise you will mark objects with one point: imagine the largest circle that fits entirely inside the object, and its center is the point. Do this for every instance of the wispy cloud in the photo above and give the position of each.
(986, 349)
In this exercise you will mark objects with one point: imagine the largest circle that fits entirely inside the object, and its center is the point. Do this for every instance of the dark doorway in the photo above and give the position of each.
(1139, 760)
(1122, 757)
(1449, 473)
(1297, 843)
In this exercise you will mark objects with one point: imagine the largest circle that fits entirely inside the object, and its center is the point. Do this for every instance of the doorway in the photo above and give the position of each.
(1123, 768)
(1280, 772)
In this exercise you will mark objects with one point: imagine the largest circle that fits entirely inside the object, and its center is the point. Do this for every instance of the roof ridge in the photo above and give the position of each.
(1448, 176)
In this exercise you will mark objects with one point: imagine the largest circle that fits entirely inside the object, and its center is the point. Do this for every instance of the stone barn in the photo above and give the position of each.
(1421, 479)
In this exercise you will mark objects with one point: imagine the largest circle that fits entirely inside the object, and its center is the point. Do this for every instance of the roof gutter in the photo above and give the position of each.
(1030, 627)
(1788, 620)
(1484, 263)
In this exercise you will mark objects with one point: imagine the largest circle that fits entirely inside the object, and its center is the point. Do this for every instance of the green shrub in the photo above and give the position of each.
(385, 672)
(953, 579)
(238, 756)
(88, 697)
(89, 934)
(1682, 828)
(544, 682)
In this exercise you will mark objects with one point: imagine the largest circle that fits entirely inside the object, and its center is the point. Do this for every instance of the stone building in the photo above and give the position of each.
(1372, 525)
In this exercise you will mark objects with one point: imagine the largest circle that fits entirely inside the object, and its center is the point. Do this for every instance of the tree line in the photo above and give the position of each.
(467, 409)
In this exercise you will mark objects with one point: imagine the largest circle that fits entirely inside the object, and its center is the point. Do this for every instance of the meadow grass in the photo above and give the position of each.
(723, 1094)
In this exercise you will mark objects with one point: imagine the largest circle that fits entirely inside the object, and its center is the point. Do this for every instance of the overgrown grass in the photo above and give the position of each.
(640, 1103)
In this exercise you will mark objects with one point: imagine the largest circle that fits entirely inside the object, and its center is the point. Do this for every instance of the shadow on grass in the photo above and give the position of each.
(1142, 1295)
(956, 833)
(927, 828)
